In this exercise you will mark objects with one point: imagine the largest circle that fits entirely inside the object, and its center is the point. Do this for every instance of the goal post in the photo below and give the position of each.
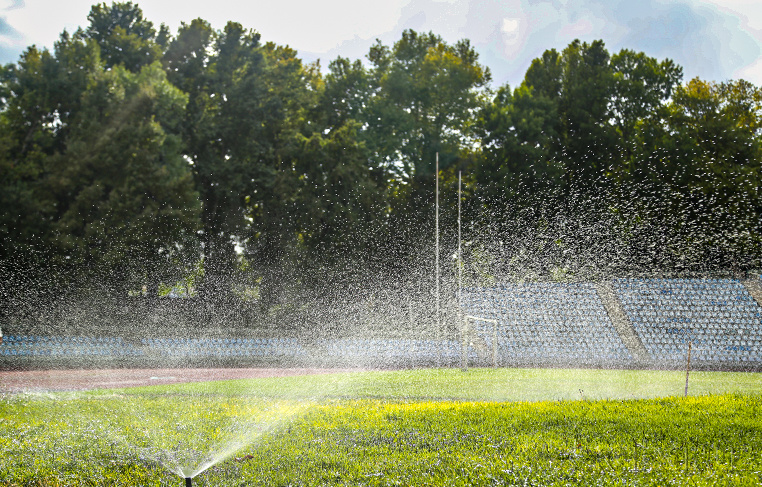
(468, 319)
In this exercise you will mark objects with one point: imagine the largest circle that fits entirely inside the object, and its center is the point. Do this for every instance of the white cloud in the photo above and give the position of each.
(302, 24)
(707, 41)
(511, 29)
(751, 72)
(316, 26)
(580, 28)
(749, 11)
(714, 39)
(41, 22)
(11, 4)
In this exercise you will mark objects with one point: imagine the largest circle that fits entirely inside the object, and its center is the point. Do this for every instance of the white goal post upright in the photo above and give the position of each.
(436, 262)
(464, 342)
(460, 271)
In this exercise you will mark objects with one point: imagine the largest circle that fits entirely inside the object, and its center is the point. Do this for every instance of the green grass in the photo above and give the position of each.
(438, 427)
(482, 385)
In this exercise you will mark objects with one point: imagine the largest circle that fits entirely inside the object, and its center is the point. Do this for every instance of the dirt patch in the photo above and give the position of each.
(79, 380)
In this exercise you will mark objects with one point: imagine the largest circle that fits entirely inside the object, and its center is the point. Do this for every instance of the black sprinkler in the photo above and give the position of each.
(188, 482)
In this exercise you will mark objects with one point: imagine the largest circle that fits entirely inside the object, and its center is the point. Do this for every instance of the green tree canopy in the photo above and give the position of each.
(124, 36)
(426, 96)
(598, 101)
(126, 151)
(92, 165)
(123, 197)
(703, 160)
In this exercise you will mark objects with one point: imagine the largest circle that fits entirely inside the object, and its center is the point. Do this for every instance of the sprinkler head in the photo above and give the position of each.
(188, 482)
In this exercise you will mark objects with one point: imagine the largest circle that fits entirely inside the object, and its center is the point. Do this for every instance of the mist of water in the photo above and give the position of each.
(333, 315)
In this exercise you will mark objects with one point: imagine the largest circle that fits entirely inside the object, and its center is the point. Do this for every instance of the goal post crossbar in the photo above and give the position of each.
(477, 318)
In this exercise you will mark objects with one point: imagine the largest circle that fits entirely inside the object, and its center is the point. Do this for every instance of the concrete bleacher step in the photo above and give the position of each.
(754, 286)
(621, 323)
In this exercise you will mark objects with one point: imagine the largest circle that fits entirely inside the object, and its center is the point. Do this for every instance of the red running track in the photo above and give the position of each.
(80, 380)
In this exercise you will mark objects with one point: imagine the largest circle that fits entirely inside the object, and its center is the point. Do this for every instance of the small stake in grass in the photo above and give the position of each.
(688, 368)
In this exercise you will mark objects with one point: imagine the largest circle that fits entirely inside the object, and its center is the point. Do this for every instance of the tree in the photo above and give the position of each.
(703, 158)
(26, 139)
(426, 96)
(124, 199)
(338, 201)
(346, 94)
(222, 131)
(564, 145)
(91, 166)
(641, 88)
(516, 131)
(41, 93)
(247, 112)
(598, 101)
(418, 98)
(124, 36)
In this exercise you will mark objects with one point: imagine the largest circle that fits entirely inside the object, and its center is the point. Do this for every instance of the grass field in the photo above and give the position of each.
(440, 427)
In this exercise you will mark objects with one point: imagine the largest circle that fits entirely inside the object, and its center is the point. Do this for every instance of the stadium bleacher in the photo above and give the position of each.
(66, 346)
(718, 316)
(222, 347)
(546, 323)
(536, 323)
(376, 352)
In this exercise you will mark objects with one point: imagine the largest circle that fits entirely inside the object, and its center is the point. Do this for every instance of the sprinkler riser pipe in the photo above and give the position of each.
(188, 482)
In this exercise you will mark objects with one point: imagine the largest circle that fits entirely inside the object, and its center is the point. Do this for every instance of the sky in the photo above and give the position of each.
(715, 40)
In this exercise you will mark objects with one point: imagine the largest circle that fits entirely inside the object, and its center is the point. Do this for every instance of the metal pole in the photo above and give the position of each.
(464, 345)
(436, 262)
(494, 346)
(412, 332)
(688, 368)
(460, 258)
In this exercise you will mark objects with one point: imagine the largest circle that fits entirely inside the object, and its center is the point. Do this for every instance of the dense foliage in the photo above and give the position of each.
(133, 157)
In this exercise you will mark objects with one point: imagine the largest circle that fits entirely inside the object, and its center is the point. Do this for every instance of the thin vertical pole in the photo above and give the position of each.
(463, 323)
(688, 368)
(460, 261)
(464, 344)
(412, 332)
(494, 345)
(436, 260)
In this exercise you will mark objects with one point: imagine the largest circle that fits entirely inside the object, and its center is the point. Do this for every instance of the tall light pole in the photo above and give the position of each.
(461, 322)
(460, 260)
